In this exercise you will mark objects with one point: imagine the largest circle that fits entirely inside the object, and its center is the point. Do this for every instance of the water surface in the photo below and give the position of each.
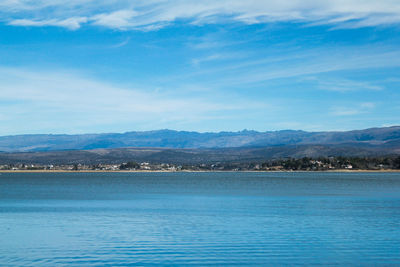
(50, 219)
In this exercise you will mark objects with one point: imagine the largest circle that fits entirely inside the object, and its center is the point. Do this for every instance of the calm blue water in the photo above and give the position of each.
(123, 219)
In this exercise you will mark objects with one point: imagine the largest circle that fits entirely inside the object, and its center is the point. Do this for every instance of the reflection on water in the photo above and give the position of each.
(199, 218)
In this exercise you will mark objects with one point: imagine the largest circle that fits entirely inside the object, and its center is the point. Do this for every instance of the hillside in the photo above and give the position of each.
(378, 137)
(195, 156)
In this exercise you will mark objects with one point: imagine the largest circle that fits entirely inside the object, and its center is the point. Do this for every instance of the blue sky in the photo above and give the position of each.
(116, 66)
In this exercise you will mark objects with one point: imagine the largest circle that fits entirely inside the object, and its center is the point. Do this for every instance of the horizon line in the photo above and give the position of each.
(200, 132)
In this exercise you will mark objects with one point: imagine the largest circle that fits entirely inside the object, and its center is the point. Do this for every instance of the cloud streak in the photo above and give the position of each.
(354, 110)
(155, 14)
(343, 85)
(51, 97)
(73, 23)
(304, 65)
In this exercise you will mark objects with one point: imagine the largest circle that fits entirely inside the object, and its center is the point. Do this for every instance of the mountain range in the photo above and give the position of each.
(183, 139)
(181, 147)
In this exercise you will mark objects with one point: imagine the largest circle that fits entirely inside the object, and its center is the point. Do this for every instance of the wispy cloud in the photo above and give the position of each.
(303, 64)
(69, 23)
(121, 44)
(82, 101)
(356, 109)
(343, 85)
(217, 57)
(328, 63)
(121, 19)
(148, 15)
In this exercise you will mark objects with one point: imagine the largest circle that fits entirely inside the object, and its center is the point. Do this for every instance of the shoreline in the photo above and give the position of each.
(206, 171)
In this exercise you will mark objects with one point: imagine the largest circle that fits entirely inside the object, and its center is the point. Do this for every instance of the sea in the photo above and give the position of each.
(209, 218)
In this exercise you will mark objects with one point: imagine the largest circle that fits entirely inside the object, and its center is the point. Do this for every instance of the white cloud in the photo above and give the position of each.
(150, 15)
(46, 98)
(73, 23)
(120, 19)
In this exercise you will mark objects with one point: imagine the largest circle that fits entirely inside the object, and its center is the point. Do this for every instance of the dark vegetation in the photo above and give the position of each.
(196, 156)
(289, 164)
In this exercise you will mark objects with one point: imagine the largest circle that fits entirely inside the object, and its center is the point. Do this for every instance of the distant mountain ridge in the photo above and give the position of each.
(375, 137)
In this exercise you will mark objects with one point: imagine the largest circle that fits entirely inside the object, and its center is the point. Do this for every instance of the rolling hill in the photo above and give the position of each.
(184, 139)
(166, 146)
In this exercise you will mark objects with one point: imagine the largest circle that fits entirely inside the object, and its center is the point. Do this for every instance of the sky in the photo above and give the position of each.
(85, 66)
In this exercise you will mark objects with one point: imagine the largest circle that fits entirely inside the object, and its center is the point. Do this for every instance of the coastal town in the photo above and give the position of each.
(303, 164)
